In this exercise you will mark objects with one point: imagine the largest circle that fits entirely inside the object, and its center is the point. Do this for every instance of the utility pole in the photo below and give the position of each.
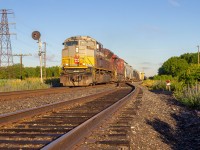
(44, 59)
(6, 58)
(21, 55)
(198, 54)
(40, 55)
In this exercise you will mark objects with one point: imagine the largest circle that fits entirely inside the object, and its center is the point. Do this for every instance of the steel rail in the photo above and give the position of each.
(70, 139)
(13, 117)
(41, 91)
(30, 91)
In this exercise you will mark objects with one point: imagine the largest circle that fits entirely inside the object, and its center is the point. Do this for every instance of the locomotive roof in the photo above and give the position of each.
(80, 38)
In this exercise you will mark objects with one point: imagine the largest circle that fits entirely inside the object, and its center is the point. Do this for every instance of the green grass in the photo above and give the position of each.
(18, 85)
(189, 96)
(160, 84)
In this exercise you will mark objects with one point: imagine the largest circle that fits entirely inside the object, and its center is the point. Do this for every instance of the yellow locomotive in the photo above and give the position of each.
(85, 62)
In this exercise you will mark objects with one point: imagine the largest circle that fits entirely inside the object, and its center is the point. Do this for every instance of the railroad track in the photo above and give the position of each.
(60, 125)
(117, 132)
(28, 93)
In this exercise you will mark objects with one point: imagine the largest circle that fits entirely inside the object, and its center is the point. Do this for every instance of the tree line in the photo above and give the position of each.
(184, 67)
(16, 72)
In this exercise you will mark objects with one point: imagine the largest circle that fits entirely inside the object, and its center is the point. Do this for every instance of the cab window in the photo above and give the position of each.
(71, 43)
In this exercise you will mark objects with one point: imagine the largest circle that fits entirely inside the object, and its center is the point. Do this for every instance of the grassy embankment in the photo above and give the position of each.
(188, 95)
(27, 84)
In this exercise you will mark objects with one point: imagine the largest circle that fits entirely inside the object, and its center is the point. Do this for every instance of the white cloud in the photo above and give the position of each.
(146, 68)
(146, 63)
(174, 3)
(49, 58)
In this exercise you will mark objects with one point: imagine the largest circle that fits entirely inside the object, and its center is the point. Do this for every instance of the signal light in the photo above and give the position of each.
(36, 35)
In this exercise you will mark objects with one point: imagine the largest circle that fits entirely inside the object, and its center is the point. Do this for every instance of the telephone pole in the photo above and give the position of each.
(6, 58)
(21, 56)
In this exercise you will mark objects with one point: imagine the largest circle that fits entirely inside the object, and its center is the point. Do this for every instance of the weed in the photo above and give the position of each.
(18, 85)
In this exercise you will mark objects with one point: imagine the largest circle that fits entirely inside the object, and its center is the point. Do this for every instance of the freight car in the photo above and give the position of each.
(128, 74)
(85, 62)
(138, 76)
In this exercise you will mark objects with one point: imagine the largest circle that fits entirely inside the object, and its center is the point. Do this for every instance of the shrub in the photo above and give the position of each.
(148, 83)
(159, 85)
(189, 96)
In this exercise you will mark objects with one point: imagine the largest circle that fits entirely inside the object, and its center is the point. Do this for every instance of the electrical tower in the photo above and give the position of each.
(6, 58)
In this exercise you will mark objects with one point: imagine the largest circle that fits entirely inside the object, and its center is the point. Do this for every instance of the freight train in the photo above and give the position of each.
(86, 62)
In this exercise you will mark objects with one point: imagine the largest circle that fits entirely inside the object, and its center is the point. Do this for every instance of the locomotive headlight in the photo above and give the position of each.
(77, 49)
(83, 64)
(66, 64)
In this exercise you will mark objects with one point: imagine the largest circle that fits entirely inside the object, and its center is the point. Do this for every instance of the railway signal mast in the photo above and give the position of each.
(6, 57)
(36, 36)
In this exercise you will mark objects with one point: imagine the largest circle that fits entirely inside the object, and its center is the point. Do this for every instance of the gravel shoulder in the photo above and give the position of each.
(163, 123)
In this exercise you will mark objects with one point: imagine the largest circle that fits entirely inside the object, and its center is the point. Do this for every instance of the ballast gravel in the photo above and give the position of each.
(9, 106)
(160, 122)
(164, 123)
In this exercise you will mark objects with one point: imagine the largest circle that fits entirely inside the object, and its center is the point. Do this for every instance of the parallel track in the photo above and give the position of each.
(28, 93)
(63, 122)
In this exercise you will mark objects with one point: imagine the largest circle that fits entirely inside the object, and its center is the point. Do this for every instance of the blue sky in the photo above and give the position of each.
(145, 33)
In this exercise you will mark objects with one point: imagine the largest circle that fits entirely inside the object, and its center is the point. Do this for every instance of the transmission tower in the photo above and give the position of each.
(6, 58)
